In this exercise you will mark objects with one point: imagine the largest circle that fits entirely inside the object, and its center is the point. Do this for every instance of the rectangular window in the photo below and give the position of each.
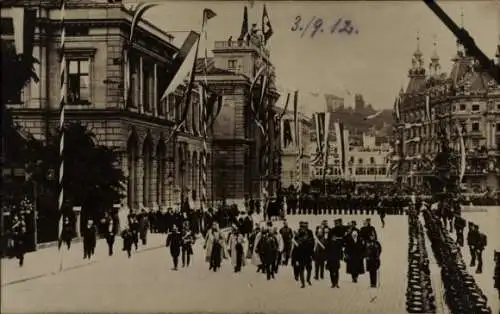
(77, 30)
(498, 127)
(7, 26)
(232, 64)
(463, 107)
(147, 94)
(78, 91)
(475, 107)
(475, 127)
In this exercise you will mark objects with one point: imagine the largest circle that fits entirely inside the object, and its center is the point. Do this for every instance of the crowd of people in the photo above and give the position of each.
(269, 248)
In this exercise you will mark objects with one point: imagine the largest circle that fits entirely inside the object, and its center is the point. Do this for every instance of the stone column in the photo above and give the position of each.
(124, 167)
(139, 179)
(141, 85)
(153, 183)
(155, 90)
(78, 224)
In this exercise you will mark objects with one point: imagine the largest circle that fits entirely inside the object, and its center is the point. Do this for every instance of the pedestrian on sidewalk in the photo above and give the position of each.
(18, 232)
(472, 238)
(67, 233)
(459, 228)
(174, 242)
(373, 251)
(134, 228)
(187, 244)
(89, 239)
(128, 240)
(110, 235)
(143, 227)
(480, 246)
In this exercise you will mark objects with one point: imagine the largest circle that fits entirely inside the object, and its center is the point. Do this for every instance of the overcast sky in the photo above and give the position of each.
(374, 62)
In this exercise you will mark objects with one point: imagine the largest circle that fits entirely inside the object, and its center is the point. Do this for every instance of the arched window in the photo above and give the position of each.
(372, 160)
(360, 161)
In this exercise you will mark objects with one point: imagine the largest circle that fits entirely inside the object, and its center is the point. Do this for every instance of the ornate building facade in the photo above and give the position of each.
(465, 101)
(159, 169)
(291, 154)
(237, 142)
(364, 163)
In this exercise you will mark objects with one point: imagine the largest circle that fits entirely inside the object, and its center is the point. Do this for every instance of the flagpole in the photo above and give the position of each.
(62, 95)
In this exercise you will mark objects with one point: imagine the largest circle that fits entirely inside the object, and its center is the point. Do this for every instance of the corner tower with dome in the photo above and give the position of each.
(466, 100)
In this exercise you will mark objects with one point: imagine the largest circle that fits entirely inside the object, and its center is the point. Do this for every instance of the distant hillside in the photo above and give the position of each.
(355, 122)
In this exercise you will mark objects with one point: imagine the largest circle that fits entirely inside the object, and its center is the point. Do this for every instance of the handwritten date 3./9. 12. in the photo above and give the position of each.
(317, 24)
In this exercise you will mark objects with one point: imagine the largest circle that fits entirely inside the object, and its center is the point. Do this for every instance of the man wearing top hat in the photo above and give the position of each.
(367, 230)
(334, 254)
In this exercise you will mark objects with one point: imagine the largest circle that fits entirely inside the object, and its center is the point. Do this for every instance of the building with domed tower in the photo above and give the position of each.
(464, 101)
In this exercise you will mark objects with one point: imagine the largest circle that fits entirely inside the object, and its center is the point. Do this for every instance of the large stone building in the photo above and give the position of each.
(238, 150)
(158, 171)
(292, 156)
(464, 99)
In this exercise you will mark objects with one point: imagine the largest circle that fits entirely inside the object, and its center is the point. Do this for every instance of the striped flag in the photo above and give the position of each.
(340, 139)
(182, 64)
(62, 99)
(397, 111)
(297, 141)
(463, 158)
(326, 146)
(428, 106)
(319, 119)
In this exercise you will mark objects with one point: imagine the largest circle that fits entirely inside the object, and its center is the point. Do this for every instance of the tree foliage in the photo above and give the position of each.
(92, 178)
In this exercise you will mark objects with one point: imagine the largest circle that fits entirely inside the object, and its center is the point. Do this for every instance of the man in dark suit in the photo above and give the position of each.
(334, 255)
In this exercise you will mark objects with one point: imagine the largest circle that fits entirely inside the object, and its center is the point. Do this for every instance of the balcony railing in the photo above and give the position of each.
(252, 44)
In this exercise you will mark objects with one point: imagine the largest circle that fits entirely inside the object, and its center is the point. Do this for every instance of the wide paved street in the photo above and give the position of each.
(145, 283)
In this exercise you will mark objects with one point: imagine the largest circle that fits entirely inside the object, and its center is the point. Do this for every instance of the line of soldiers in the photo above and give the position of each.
(327, 204)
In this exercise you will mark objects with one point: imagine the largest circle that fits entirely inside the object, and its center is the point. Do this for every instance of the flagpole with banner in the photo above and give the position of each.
(298, 161)
(326, 148)
(62, 99)
(207, 14)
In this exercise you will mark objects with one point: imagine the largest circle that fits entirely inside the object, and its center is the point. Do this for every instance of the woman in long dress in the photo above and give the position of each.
(214, 245)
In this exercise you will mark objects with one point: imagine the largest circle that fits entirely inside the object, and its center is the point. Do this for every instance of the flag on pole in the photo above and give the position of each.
(428, 106)
(463, 158)
(296, 118)
(287, 133)
(267, 29)
(397, 104)
(62, 99)
(183, 64)
(340, 140)
(372, 116)
(244, 25)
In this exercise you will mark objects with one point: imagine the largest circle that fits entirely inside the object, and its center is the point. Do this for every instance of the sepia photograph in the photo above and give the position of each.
(241, 156)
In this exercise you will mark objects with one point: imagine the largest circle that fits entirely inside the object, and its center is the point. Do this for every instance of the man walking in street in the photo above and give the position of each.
(287, 235)
(334, 252)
